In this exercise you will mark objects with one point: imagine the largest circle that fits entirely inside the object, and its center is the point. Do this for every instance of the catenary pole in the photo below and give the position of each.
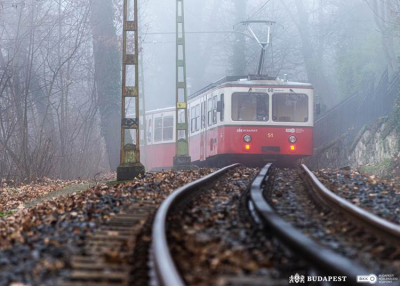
(182, 159)
(130, 165)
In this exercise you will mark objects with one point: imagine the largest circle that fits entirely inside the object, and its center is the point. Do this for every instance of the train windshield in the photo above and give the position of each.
(289, 107)
(250, 106)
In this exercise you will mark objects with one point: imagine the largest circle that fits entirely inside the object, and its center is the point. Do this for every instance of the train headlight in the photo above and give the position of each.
(247, 138)
(292, 139)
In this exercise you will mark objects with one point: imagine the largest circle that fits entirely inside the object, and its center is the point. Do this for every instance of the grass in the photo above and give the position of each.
(383, 169)
(113, 183)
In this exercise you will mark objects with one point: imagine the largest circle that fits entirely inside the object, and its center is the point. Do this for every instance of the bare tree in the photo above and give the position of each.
(48, 114)
(107, 58)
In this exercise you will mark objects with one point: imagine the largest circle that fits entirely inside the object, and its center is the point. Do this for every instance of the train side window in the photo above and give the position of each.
(198, 117)
(158, 129)
(215, 100)
(205, 114)
(149, 131)
(192, 120)
(168, 128)
(221, 116)
(203, 118)
(210, 112)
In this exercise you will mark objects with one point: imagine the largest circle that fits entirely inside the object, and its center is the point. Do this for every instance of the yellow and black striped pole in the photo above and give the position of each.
(182, 159)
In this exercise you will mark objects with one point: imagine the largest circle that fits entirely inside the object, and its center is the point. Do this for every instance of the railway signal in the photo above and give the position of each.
(182, 159)
(130, 165)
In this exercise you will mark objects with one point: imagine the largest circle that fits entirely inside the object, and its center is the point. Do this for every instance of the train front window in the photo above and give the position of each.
(289, 107)
(250, 106)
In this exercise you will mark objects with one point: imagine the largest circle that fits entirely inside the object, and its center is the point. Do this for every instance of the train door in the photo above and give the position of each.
(203, 129)
(208, 145)
(149, 145)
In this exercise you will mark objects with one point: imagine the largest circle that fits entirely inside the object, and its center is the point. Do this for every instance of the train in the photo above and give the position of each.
(237, 120)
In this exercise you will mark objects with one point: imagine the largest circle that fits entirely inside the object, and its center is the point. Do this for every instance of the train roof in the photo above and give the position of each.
(166, 109)
(244, 81)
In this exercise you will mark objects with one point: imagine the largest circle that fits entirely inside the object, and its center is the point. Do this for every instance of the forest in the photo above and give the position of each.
(60, 66)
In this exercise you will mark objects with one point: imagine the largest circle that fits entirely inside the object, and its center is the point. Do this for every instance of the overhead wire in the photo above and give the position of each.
(259, 10)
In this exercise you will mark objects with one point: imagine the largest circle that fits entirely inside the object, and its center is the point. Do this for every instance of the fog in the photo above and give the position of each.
(60, 66)
(338, 46)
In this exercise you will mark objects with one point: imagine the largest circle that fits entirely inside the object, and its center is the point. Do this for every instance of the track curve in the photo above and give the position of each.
(386, 228)
(165, 268)
(324, 260)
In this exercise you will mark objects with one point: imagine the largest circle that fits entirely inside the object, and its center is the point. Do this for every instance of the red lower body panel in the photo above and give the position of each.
(267, 144)
(157, 157)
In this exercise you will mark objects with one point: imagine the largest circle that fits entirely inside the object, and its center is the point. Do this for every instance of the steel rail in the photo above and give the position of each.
(385, 227)
(321, 258)
(165, 268)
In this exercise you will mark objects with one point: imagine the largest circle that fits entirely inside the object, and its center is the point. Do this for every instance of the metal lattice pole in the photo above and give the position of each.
(142, 107)
(182, 158)
(130, 165)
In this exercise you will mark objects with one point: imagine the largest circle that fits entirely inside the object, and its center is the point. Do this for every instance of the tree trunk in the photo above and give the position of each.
(383, 20)
(239, 63)
(313, 58)
(107, 59)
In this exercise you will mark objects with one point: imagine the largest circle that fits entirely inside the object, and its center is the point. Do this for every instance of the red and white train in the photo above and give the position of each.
(240, 120)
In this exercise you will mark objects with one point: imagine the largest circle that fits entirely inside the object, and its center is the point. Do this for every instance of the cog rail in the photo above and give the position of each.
(166, 272)
(325, 261)
(384, 227)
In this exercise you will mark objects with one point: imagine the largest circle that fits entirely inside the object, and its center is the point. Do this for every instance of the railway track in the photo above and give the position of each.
(201, 230)
(385, 228)
(115, 250)
(301, 210)
(324, 260)
(107, 257)
(165, 269)
(200, 237)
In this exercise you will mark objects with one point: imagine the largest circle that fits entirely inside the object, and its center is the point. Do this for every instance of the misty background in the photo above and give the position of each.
(60, 66)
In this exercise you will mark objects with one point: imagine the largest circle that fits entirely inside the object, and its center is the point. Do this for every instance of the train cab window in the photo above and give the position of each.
(158, 129)
(250, 106)
(289, 107)
(215, 100)
(168, 128)
(210, 112)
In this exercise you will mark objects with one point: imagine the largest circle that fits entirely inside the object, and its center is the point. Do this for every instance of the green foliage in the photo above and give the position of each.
(383, 169)
(6, 214)
(394, 119)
